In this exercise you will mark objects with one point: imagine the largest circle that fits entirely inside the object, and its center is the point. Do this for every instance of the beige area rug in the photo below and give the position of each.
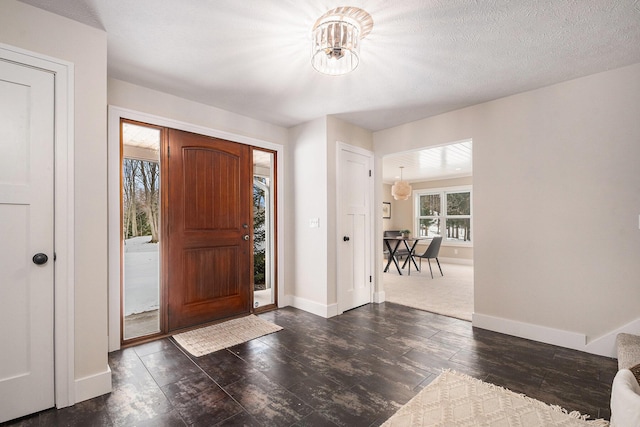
(455, 399)
(450, 295)
(223, 335)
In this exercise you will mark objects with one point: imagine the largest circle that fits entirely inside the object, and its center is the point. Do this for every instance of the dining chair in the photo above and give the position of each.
(432, 252)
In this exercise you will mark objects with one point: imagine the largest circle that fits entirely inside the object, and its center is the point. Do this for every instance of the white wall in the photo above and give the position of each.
(45, 33)
(556, 204)
(141, 99)
(311, 252)
(306, 189)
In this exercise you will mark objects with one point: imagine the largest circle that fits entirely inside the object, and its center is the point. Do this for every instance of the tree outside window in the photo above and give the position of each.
(141, 191)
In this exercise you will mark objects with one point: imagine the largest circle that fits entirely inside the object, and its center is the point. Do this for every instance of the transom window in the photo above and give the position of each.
(444, 212)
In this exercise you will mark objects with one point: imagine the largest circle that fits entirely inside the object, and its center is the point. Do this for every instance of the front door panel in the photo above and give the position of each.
(209, 235)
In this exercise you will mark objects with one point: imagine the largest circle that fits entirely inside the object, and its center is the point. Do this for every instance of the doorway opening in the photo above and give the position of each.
(145, 239)
(440, 205)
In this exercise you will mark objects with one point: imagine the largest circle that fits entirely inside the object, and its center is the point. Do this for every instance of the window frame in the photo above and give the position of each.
(442, 193)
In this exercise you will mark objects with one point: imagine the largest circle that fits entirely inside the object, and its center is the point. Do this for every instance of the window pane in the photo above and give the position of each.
(459, 203)
(141, 226)
(459, 229)
(429, 227)
(430, 205)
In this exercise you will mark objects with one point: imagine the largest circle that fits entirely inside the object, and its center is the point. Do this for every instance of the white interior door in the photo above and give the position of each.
(26, 227)
(354, 224)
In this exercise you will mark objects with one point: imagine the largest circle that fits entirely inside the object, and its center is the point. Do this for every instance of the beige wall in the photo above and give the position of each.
(42, 32)
(402, 217)
(556, 202)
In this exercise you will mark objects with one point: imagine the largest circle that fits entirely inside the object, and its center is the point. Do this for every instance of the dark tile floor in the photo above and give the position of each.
(356, 369)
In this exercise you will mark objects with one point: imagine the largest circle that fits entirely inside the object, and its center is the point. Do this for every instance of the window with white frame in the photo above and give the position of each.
(444, 212)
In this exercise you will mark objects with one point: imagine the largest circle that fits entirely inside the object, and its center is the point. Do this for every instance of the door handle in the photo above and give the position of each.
(345, 238)
(246, 237)
(40, 259)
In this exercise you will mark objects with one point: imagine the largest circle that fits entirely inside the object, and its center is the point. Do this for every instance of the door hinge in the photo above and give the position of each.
(168, 151)
(369, 172)
(370, 279)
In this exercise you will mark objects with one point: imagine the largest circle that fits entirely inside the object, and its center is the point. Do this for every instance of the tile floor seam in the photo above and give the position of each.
(211, 378)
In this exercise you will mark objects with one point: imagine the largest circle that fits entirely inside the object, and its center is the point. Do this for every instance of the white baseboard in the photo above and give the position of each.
(284, 301)
(379, 297)
(313, 307)
(601, 346)
(93, 385)
(606, 344)
(463, 261)
(530, 331)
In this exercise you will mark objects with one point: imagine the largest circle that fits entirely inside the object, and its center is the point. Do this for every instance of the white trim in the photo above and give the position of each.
(340, 147)
(606, 344)
(322, 310)
(379, 297)
(602, 346)
(64, 293)
(113, 172)
(530, 331)
(93, 385)
(462, 261)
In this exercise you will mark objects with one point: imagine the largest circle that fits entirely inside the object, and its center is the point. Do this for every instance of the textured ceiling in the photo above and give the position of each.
(422, 57)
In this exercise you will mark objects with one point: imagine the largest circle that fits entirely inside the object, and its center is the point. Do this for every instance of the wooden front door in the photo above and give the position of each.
(209, 248)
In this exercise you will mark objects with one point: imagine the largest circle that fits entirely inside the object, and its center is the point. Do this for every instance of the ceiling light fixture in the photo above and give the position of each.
(336, 35)
(401, 190)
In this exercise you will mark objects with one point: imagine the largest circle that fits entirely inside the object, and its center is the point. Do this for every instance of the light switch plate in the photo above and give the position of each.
(314, 223)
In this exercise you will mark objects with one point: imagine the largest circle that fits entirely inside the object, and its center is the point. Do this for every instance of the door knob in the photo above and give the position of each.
(40, 259)
(345, 238)
(246, 237)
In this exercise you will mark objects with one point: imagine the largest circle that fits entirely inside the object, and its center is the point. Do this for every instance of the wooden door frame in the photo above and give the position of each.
(64, 278)
(162, 295)
(115, 114)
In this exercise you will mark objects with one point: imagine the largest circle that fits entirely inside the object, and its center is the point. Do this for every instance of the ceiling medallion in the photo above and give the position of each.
(336, 35)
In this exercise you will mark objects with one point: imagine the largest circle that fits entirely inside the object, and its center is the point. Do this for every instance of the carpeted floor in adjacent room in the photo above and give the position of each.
(450, 295)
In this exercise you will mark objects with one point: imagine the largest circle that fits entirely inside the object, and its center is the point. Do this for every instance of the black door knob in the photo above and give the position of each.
(345, 238)
(40, 259)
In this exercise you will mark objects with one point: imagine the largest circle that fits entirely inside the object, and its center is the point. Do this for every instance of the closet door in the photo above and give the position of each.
(27, 240)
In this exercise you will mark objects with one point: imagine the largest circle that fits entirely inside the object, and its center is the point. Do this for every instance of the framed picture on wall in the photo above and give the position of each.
(386, 210)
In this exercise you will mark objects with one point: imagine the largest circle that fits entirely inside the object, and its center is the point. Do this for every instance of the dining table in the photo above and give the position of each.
(392, 243)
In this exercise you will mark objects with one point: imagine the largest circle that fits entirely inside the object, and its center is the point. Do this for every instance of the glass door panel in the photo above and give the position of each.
(140, 230)
(263, 229)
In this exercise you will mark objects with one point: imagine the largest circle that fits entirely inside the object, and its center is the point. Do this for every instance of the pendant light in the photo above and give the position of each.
(401, 190)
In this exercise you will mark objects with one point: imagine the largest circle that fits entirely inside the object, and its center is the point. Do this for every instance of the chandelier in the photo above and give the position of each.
(336, 35)
(401, 190)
